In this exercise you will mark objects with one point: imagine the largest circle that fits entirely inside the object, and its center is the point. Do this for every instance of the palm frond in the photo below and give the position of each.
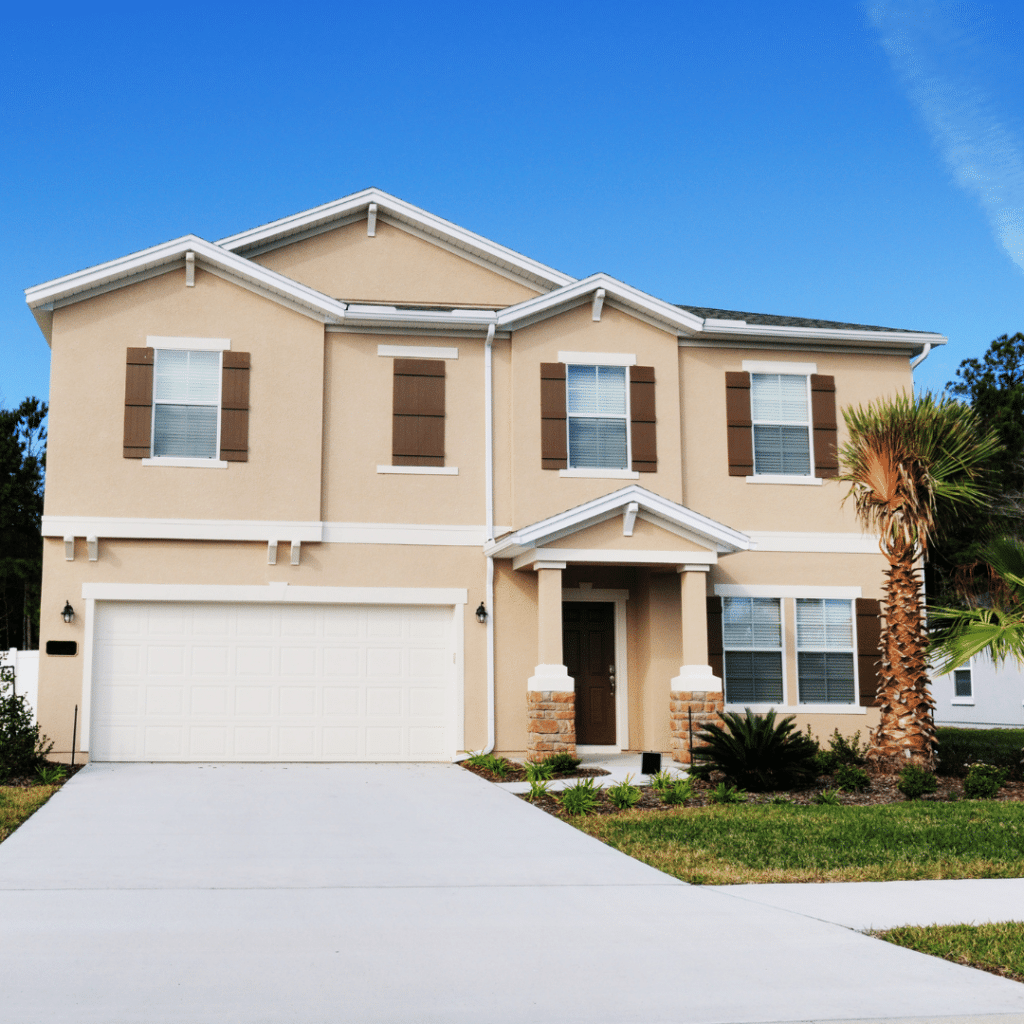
(966, 632)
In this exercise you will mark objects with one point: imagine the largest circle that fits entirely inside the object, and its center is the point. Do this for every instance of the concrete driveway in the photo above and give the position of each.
(261, 894)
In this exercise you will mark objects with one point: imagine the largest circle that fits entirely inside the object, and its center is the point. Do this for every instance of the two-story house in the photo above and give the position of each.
(361, 484)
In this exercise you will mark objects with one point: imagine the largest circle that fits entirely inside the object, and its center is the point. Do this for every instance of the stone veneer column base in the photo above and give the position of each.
(551, 723)
(700, 706)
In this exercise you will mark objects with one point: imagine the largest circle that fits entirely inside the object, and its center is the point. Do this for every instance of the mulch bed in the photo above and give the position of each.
(518, 773)
(33, 780)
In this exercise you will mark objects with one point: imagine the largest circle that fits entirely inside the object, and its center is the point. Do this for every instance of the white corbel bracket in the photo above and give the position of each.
(595, 309)
(296, 546)
(69, 548)
(371, 220)
(272, 552)
(94, 548)
(629, 518)
(190, 270)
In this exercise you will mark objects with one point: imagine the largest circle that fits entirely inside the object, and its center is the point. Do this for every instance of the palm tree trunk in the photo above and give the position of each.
(906, 732)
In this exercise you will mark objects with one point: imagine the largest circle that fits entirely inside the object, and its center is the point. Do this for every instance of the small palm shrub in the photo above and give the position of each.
(538, 771)
(758, 753)
(581, 798)
(984, 781)
(915, 781)
(828, 797)
(726, 794)
(562, 764)
(625, 794)
(22, 749)
(851, 778)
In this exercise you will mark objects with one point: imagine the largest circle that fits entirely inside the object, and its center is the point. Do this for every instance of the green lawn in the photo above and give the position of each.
(998, 948)
(765, 843)
(18, 803)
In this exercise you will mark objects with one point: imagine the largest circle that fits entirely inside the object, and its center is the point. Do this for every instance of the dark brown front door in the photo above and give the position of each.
(588, 642)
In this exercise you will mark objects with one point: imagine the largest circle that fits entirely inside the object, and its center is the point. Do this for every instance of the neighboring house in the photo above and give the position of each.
(26, 674)
(980, 695)
(361, 484)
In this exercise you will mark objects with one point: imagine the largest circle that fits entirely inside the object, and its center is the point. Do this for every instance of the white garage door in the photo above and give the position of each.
(264, 682)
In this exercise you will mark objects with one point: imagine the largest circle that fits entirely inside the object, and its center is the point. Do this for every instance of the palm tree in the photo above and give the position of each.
(993, 622)
(912, 464)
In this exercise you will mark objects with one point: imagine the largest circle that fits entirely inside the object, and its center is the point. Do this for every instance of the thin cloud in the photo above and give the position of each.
(933, 55)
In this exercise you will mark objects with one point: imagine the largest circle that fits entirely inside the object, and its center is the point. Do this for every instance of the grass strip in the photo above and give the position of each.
(997, 948)
(763, 843)
(20, 802)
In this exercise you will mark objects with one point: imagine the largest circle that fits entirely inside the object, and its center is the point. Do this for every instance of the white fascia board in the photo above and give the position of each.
(612, 556)
(360, 315)
(168, 256)
(910, 338)
(390, 207)
(666, 315)
(273, 593)
(827, 543)
(182, 529)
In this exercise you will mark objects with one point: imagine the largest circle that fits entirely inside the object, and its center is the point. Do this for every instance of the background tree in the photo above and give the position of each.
(22, 467)
(913, 465)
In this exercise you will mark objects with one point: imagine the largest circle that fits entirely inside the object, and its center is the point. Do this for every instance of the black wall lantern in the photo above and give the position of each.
(481, 613)
(68, 615)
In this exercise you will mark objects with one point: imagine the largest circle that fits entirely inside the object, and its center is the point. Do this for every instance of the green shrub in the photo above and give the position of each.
(562, 764)
(828, 797)
(499, 766)
(724, 794)
(781, 800)
(538, 789)
(915, 781)
(661, 780)
(960, 748)
(757, 752)
(538, 771)
(677, 792)
(581, 797)
(22, 749)
(825, 762)
(625, 794)
(851, 778)
(849, 751)
(51, 774)
(984, 781)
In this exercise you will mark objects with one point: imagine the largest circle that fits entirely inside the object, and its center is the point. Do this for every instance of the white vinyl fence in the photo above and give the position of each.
(26, 674)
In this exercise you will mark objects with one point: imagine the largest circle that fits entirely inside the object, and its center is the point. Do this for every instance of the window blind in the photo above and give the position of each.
(824, 638)
(597, 443)
(186, 394)
(752, 636)
(778, 400)
(779, 397)
(187, 377)
(596, 389)
(596, 409)
(752, 622)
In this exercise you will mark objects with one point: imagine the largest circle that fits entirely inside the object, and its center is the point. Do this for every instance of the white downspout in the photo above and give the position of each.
(489, 498)
(918, 360)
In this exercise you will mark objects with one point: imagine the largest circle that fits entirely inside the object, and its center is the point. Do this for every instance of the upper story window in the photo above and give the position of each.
(186, 404)
(780, 412)
(752, 646)
(598, 421)
(824, 642)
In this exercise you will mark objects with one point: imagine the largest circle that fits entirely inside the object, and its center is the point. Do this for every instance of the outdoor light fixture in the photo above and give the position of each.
(68, 614)
(481, 613)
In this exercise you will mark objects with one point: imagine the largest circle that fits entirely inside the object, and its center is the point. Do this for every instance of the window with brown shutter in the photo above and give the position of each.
(738, 423)
(643, 437)
(417, 437)
(554, 450)
(715, 657)
(234, 407)
(823, 416)
(869, 657)
(138, 403)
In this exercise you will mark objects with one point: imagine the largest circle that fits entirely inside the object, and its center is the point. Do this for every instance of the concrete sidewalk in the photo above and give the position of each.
(259, 894)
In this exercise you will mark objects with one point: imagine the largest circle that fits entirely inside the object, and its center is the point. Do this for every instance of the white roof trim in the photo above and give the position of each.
(345, 209)
(717, 535)
(731, 327)
(160, 259)
(633, 300)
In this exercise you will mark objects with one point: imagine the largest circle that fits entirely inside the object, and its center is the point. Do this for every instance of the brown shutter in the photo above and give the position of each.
(644, 446)
(417, 436)
(715, 657)
(138, 403)
(234, 408)
(823, 415)
(869, 657)
(737, 415)
(554, 449)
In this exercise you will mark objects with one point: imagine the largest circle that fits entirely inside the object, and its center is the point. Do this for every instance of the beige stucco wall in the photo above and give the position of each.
(242, 564)
(393, 267)
(86, 472)
(707, 487)
(608, 534)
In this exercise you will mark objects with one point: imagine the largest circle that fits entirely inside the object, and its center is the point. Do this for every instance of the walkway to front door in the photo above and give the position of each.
(588, 641)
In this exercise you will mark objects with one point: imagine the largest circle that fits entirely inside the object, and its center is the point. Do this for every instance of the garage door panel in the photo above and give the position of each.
(269, 682)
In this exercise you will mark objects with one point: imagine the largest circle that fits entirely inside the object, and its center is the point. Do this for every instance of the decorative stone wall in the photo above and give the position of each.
(700, 706)
(551, 723)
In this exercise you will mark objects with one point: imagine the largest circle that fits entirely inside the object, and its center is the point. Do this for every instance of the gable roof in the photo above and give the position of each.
(714, 535)
(771, 320)
(411, 218)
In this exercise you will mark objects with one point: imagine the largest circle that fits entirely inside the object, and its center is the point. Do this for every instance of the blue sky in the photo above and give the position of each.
(852, 161)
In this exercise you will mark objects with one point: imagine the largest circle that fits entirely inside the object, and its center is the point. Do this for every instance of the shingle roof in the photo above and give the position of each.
(768, 319)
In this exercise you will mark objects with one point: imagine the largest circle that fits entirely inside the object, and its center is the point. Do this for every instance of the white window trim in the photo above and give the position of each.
(189, 344)
(586, 471)
(811, 476)
(601, 474)
(761, 366)
(417, 352)
(164, 460)
(783, 590)
(597, 358)
(420, 470)
(781, 649)
(799, 709)
(829, 650)
(962, 702)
